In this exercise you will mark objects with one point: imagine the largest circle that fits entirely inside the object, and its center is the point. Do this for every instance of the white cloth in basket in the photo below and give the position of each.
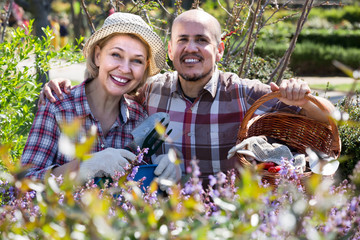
(259, 149)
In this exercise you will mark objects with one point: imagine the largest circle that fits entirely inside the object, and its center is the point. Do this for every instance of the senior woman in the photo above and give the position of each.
(121, 55)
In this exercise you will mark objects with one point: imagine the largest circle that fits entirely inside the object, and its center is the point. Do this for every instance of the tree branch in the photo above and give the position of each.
(92, 28)
(6, 22)
(286, 58)
(249, 39)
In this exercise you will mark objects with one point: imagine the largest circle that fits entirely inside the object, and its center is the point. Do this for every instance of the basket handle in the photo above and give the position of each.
(243, 129)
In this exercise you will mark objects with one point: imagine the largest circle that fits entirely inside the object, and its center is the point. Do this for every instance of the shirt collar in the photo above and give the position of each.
(124, 110)
(83, 110)
(210, 86)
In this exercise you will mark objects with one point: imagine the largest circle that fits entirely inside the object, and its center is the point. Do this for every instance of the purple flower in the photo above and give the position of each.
(212, 180)
(131, 176)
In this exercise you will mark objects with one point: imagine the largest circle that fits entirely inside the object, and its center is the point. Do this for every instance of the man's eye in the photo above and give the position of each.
(115, 55)
(203, 40)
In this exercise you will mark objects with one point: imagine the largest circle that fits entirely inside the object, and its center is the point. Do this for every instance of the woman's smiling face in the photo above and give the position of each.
(122, 63)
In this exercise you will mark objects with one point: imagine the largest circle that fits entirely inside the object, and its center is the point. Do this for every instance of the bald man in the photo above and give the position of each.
(206, 106)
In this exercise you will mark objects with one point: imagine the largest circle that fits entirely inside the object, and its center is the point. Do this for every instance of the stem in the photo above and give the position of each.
(6, 22)
(249, 39)
(286, 58)
(92, 28)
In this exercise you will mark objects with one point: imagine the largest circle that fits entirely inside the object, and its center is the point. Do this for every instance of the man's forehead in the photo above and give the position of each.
(191, 29)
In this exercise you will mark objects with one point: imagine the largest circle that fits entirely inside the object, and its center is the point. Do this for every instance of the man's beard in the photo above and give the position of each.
(195, 78)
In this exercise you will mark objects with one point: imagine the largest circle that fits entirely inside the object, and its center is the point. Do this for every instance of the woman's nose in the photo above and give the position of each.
(124, 66)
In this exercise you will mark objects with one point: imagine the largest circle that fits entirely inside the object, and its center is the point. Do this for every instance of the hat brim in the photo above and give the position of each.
(158, 53)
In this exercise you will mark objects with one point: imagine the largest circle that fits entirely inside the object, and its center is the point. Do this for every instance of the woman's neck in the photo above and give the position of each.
(104, 107)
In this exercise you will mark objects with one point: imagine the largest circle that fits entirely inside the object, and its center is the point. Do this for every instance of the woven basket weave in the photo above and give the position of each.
(296, 131)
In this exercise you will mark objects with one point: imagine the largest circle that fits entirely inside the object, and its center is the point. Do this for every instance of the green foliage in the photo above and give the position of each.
(312, 58)
(350, 137)
(260, 68)
(23, 58)
(337, 14)
(327, 35)
(341, 37)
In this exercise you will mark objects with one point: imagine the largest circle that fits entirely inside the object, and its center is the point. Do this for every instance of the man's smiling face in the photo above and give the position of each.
(193, 49)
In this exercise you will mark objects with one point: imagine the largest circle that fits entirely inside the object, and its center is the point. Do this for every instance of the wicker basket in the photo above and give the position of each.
(296, 131)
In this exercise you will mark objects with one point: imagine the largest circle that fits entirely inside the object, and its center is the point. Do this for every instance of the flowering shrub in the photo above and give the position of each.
(230, 208)
(350, 136)
(23, 59)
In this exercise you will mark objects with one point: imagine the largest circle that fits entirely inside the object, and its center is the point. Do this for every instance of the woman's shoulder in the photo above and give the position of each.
(68, 100)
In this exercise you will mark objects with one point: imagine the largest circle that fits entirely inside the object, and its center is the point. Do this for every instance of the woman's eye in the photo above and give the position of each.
(138, 61)
(115, 55)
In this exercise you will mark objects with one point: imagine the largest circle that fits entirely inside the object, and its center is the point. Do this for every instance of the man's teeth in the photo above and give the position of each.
(191, 60)
(120, 80)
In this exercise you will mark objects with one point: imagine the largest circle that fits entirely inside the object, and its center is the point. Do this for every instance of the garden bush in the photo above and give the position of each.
(23, 59)
(340, 37)
(350, 13)
(312, 58)
(334, 14)
(350, 136)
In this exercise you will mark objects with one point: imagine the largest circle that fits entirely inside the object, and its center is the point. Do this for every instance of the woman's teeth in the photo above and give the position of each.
(120, 80)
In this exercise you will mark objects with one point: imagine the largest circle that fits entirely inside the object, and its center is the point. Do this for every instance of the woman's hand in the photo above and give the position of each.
(105, 164)
(54, 85)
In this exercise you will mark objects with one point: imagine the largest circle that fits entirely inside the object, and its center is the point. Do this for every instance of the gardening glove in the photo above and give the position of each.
(105, 164)
(167, 171)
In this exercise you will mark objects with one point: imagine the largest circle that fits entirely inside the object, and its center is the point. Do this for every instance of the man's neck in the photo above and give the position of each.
(193, 89)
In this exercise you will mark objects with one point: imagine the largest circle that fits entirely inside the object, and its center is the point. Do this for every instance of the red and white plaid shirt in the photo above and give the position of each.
(41, 149)
(207, 128)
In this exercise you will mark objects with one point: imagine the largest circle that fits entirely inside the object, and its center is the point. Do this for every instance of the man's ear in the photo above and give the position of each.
(221, 49)
(170, 50)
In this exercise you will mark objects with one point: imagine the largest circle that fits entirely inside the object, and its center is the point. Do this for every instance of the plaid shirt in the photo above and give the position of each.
(207, 128)
(41, 149)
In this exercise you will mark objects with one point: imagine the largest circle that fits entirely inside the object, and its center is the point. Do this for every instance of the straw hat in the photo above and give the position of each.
(129, 23)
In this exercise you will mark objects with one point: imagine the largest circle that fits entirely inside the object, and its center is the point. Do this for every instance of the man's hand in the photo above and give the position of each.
(105, 164)
(166, 170)
(54, 85)
(293, 91)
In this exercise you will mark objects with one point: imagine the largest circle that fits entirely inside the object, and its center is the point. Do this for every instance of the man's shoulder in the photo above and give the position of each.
(166, 78)
(230, 79)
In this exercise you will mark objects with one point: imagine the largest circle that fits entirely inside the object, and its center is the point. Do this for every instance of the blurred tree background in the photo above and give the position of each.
(331, 30)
